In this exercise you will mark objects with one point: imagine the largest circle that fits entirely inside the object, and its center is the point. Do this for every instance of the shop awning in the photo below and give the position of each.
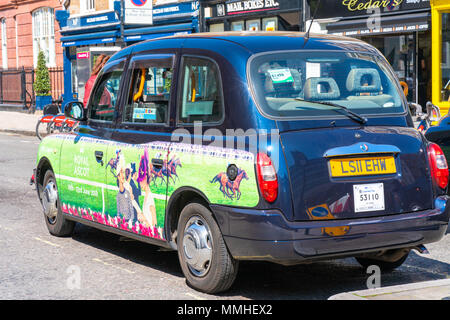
(89, 38)
(131, 34)
(139, 34)
(401, 23)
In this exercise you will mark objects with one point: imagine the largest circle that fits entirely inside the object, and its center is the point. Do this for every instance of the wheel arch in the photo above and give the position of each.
(42, 167)
(177, 201)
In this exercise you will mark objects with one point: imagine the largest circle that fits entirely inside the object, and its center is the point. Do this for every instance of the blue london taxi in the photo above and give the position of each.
(274, 146)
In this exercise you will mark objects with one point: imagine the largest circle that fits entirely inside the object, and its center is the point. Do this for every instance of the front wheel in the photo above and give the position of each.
(56, 223)
(204, 257)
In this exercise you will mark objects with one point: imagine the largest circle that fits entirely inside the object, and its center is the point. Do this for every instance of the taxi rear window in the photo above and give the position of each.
(295, 84)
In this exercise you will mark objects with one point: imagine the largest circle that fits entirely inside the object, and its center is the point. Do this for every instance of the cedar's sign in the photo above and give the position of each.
(349, 8)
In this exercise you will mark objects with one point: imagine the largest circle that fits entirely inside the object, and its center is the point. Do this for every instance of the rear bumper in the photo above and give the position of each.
(267, 235)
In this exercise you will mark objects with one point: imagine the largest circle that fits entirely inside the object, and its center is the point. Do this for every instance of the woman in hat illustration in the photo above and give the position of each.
(144, 179)
(124, 196)
(136, 191)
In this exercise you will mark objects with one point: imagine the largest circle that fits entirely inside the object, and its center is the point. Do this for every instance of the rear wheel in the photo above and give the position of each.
(204, 257)
(389, 261)
(56, 223)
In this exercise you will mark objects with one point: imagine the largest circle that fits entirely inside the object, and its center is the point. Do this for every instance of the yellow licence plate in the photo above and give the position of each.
(362, 166)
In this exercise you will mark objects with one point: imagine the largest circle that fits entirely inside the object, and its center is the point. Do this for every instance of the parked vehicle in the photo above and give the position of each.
(248, 146)
(425, 120)
(54, 120)
(440, 134)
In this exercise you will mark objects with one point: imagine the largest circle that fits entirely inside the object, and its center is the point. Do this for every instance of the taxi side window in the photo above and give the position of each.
(106, 93)
(149, 94)
(201, 95)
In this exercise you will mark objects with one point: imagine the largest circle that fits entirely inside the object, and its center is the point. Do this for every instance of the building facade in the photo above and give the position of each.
(26, 28)
(93, 27)
(440, 10)
(401, 30)
(250, 15)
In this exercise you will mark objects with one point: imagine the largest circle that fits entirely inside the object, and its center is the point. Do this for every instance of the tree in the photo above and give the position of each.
(41, 84)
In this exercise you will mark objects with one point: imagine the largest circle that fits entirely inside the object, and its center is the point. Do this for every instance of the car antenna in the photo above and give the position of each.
(310, 25)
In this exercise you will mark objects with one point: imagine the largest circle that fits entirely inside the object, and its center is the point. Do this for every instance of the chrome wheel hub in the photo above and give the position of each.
(197, 246)
(50, 200)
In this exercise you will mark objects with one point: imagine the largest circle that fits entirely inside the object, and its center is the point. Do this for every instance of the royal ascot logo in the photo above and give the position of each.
(359, 5)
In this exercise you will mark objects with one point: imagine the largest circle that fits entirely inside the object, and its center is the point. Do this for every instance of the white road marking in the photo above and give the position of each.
(47, 242)
(6, 228)
(194, 296)
(112, 265)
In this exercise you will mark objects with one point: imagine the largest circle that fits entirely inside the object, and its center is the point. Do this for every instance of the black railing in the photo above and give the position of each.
(16, 86)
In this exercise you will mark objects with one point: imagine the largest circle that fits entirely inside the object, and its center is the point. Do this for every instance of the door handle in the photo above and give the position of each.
(157, 162)
(99, 157)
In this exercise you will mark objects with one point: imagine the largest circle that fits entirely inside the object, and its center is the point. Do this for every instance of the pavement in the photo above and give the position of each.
(20, 122)
(428, 290)
(25, 124)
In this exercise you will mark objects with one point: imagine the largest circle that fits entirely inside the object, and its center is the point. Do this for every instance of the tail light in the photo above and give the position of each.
(267, 177)
(438, 165)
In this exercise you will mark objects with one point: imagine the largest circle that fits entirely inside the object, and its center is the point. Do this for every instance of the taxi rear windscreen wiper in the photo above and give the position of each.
(352, 115)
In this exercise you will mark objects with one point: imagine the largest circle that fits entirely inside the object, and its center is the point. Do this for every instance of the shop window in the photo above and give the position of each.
(445, 62)
(270, 24)
(218, 27)
(201, 98)
(4, 44)
(149, 97)
(253, 25)
(106, 93)
(87, 6)
(44, 35)
(237, 26)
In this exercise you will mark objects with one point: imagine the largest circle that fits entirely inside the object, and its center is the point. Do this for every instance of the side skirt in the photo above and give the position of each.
(157, 242)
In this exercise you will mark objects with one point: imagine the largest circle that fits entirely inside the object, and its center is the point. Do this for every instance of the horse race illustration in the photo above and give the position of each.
(229, 188)
(167, 171)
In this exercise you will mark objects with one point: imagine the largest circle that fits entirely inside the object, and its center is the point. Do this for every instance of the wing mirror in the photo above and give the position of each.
(416, 109)
(433, 112)
(75, 110)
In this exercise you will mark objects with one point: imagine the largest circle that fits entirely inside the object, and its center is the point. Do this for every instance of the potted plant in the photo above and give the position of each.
(41, 84)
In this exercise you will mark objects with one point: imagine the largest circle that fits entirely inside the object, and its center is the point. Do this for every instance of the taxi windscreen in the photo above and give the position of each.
(314, 83)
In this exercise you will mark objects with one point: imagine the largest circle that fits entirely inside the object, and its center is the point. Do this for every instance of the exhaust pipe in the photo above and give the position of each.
(421, 248)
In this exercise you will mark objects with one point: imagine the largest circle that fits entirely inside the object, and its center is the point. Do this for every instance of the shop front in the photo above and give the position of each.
(400, 29)
(253, 15)
(86, 37)
(440, 11)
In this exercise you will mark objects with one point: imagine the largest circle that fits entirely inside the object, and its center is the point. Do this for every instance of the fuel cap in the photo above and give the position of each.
(232, 172)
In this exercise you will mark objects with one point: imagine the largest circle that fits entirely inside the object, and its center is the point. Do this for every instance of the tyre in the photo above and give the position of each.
(38, 134)
(56, 223)
(203, 255)
(384, 265)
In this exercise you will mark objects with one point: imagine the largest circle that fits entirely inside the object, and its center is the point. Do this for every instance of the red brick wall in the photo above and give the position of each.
(21, 11)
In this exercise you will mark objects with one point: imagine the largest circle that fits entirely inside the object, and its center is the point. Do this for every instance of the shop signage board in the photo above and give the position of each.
(237, 7)
(176, 10)
(92, 20)
(138, 12)
(83, 55)
(355, 8)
